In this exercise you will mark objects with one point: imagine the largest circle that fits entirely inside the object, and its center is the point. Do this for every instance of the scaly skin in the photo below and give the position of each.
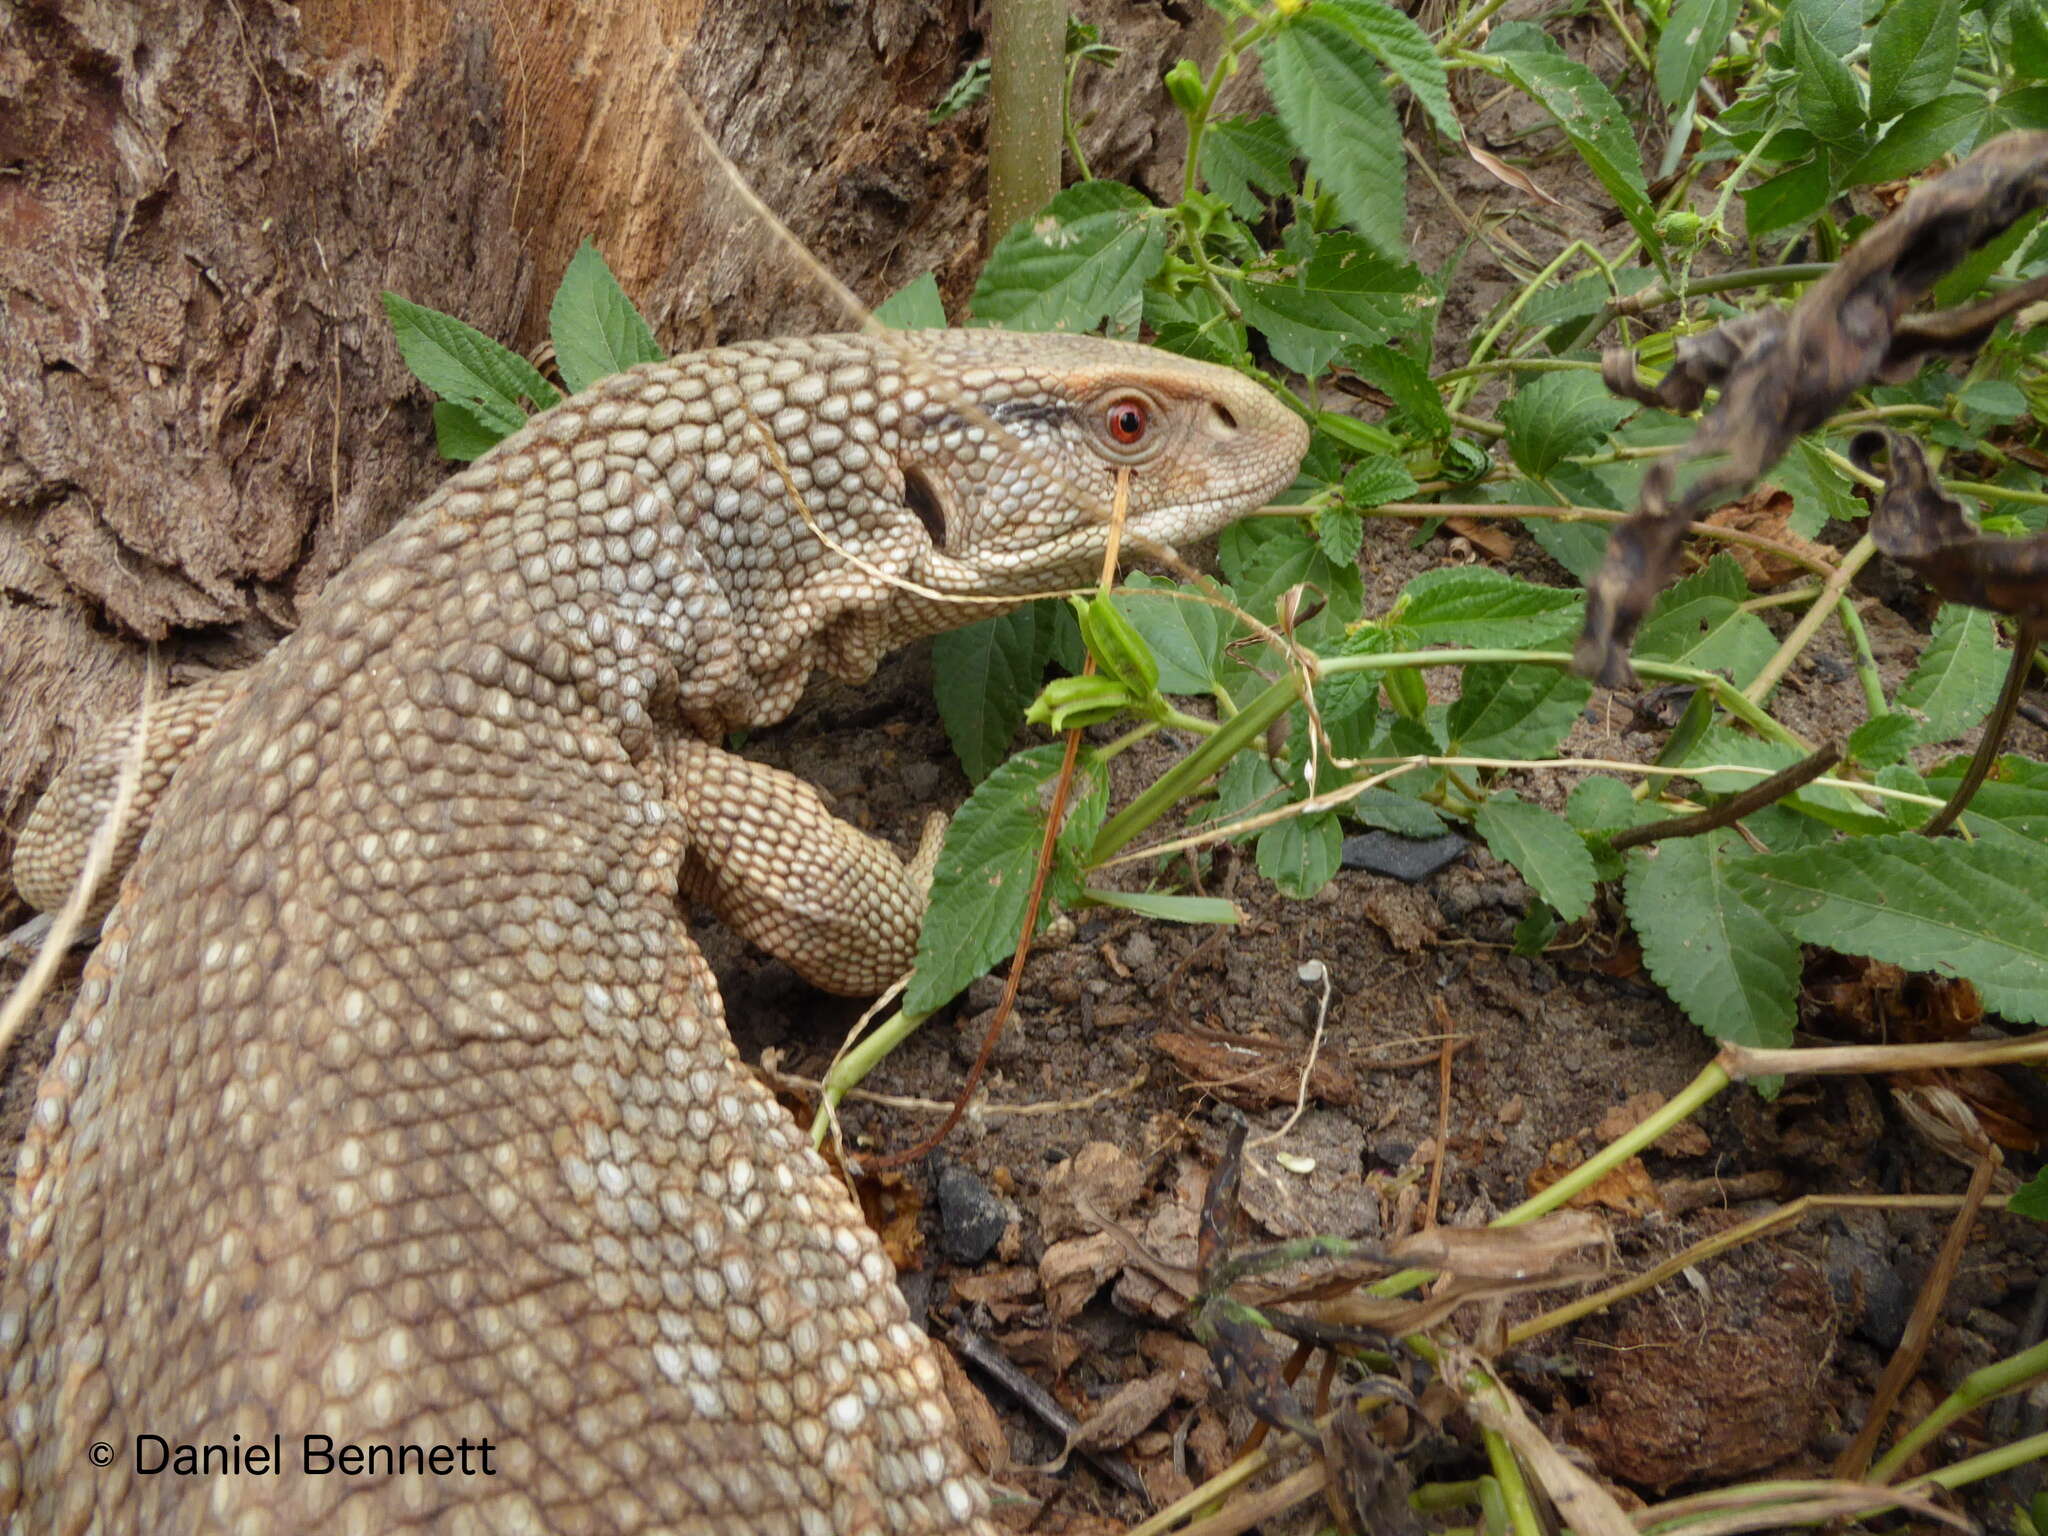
(397, 1104)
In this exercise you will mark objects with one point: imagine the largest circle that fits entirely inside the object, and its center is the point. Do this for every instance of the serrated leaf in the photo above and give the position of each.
(1395, 813)
(1918, 139)
(1244, 156)
(1075, 264)
(1913, 55)
(1696, 32)
(1407, 382)
(1958, 675)
(1375, 481)
(2011, 805)
(984, 677)
(1974, 910)
(1591, 119)
(1170, 908)
(1883, 739)
(1345, 294)
(459, 433)
(1301, 854)
(1788, 198)
(596, 330)
(460, 363)
(1723, 745)
(1732, 969)
(1246, 786)
(1836, 25)
(1340, 533)
(1329, 94)
(1397, 42)
(2031, 1199)
(1829, 102)
(1194, 323)
(1476, 607)
(1557, 415)
(1265, 556)
(1544, 850)
(1515, 711)
(983, 881)
(1698, 622)
(916, 306)
(1186, 637)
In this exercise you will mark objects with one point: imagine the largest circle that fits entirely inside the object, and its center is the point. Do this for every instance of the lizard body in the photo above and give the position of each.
(397, 1105)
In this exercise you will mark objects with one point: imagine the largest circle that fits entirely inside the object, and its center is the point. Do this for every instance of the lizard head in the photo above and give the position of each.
(1009, 447)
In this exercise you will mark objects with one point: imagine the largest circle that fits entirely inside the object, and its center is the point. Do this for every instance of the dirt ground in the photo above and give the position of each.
(1133, 1043)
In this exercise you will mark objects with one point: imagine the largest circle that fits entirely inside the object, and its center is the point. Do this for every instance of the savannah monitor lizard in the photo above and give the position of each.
(397, 1104)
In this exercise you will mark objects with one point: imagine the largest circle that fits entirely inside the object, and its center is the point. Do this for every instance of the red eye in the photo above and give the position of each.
(1127, 421)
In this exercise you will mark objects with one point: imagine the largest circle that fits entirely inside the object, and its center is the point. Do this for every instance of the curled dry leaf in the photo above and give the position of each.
(1532, 1251)
(1922, 527)
(1500, 170)
(1782, 373)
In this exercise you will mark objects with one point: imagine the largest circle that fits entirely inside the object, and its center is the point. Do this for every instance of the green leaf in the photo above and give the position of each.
(1695, 34)
(1544, 850)
(1723, 745)
(1835, 25)
(1169, 908)
(2031, 1199)
(1301, 854)
(1918, 139)
(1958, 676)
(1829, 102)
(1244, 156)
(1194, 323)
(1913, 55)
(1789, 198)
(597, 332)
(1974, 910)
(2011, 805)
(459, 433)
(1341, 533)
(983, 882)
(916, 306)
(1397, 42)
(1698, 623)
(461, 364)
(1589, 115)
(1477, 607)
(2029, 52)
(1557, 415)
(2000, 399)
(1186, 637)
(1883, 739)
(1375, 481)
(1515, 711)
(1265, 556)
(1328, 91)
(985, 677)
(1083, 259)
(1345, 294)
(1394, 813)
(1407, 382)
(1706, 942)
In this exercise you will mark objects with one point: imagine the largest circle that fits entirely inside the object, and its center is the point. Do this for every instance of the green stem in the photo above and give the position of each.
(2008, 1375)
(1858, 556)
(1722, 282)
(1507, 1471)
(857, 1063)
(1866, 659)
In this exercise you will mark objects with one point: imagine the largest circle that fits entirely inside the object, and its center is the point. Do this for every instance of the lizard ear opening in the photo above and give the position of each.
(922, 497)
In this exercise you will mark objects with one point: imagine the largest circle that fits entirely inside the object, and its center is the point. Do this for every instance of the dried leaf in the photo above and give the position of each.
(1254, 1072)
(1783, 373)
(1532, 1251)
(1500, 170)
(1924, 528)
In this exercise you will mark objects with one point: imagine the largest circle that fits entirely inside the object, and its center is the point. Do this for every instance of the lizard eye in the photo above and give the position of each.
(1127, 421)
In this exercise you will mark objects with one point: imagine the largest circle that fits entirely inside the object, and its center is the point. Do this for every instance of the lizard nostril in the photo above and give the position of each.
(1225, 417)
(921, 498)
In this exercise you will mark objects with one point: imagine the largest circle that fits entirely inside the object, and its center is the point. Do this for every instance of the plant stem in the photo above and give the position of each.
(1858, 556)
(1866, 659)
(1027, 46)
(1980, 1386)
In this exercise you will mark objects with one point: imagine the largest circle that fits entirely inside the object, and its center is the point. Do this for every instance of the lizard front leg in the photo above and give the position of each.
(840, 908)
